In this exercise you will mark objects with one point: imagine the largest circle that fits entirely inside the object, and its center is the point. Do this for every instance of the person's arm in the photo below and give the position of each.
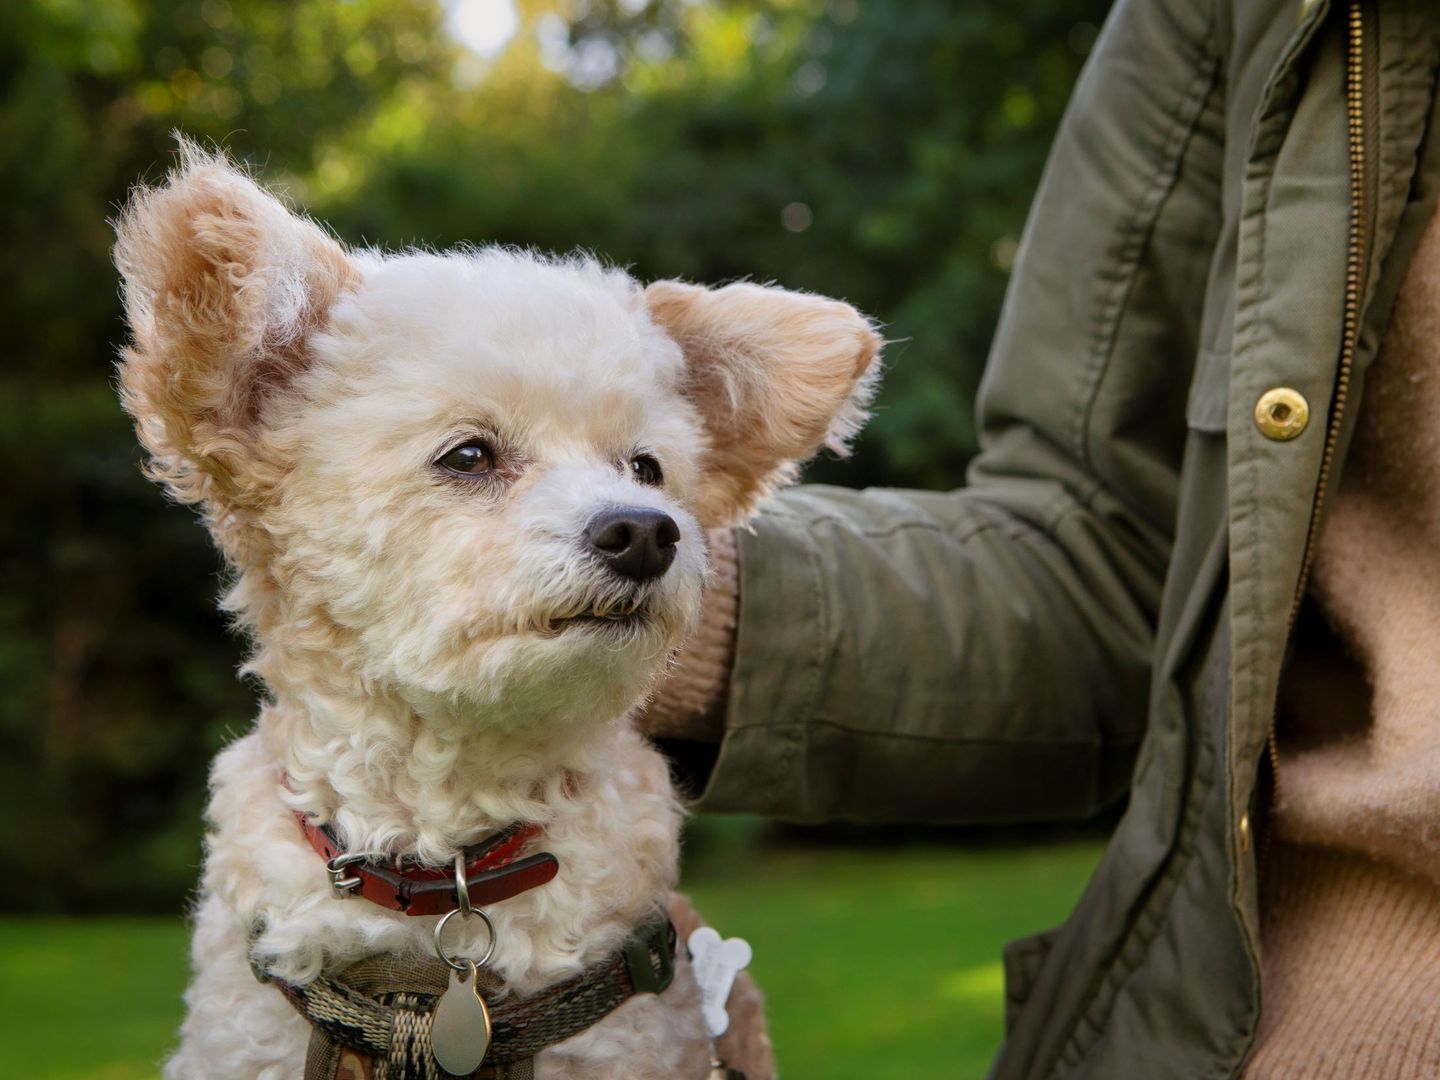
(985, 654)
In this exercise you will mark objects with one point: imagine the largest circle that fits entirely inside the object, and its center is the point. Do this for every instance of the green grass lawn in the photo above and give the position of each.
(877, 963)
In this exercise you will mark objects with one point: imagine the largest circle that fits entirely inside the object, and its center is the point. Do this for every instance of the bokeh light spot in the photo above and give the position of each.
(226, 102)
(484, 27)
(217, 13)
(265, 88)
(410, 47)
(796, 217)
(810, 78)
(1003, 252)
(217, 62)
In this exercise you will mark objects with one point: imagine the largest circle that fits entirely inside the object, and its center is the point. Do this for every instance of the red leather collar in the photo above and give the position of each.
(493, 872)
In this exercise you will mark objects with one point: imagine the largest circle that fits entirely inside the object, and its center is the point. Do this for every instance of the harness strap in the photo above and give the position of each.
(327, 1060)
(379, 1010)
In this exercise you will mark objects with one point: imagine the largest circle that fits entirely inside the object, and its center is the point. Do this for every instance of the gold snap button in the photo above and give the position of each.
(1244, 829)
(1282, 413)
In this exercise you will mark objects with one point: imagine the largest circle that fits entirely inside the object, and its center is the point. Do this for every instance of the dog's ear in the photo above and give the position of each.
(222, 287)
(775, 375)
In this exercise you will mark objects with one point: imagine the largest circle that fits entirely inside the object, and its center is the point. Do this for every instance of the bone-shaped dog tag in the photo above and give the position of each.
(716, 962)
(460, 1026)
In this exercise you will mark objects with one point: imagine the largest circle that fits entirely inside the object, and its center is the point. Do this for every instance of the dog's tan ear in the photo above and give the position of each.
(222, 285)
(775, 375)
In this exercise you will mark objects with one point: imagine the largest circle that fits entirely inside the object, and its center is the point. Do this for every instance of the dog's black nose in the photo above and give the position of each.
(634, 541)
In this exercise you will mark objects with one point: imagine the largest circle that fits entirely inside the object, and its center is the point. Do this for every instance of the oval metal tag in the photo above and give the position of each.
(460, 1026)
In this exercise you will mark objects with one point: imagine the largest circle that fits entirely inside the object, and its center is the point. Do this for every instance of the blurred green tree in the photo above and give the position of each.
(119, 675)
(883, 151)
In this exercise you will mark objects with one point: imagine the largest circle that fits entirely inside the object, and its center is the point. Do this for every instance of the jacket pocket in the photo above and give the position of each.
(1023, 960)
(1209, 401)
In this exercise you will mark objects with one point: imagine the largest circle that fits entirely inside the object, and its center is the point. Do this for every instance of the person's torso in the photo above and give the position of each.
(1311, 118)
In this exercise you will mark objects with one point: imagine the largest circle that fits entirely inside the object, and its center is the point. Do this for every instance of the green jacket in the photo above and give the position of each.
(1107, 604)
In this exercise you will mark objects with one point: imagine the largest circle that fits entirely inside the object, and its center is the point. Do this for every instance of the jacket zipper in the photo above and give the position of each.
(1359, 94)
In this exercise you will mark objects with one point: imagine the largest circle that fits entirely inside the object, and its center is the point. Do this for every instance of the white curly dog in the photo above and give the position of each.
(464, 497)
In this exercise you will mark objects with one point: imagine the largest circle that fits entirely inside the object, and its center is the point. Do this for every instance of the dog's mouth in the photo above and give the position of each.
(604, 622)
(616, 621)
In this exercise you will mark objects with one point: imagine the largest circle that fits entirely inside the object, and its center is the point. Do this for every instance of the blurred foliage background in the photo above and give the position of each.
(882, 151)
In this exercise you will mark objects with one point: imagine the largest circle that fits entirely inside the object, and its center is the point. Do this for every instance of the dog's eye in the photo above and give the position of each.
(646, 470)
(469, 459)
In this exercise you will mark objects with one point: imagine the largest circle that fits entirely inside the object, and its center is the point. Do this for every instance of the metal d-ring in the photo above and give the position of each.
(462, 885)
(464, 965)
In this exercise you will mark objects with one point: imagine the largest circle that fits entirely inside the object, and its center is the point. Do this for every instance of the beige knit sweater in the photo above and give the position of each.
(1350, 894)
(688, 703)
(1350, 885)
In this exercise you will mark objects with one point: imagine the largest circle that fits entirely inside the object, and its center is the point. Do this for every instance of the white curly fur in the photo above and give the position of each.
(418, 691)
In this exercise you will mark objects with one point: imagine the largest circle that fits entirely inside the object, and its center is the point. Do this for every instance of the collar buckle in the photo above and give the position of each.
(342, 882)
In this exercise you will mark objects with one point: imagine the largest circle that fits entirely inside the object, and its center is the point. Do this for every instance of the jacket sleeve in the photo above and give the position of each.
(985, 654)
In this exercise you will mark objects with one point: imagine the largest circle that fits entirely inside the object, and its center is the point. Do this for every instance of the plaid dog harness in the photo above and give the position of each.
(372, 1020)
(376, 1019)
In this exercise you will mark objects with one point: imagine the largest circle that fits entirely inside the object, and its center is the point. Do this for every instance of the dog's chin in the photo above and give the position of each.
(577, 662)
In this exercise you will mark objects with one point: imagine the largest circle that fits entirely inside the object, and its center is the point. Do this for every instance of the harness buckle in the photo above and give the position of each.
(650, 957)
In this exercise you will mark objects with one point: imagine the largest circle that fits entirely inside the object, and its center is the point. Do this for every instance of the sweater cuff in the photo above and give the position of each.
(689, 703)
